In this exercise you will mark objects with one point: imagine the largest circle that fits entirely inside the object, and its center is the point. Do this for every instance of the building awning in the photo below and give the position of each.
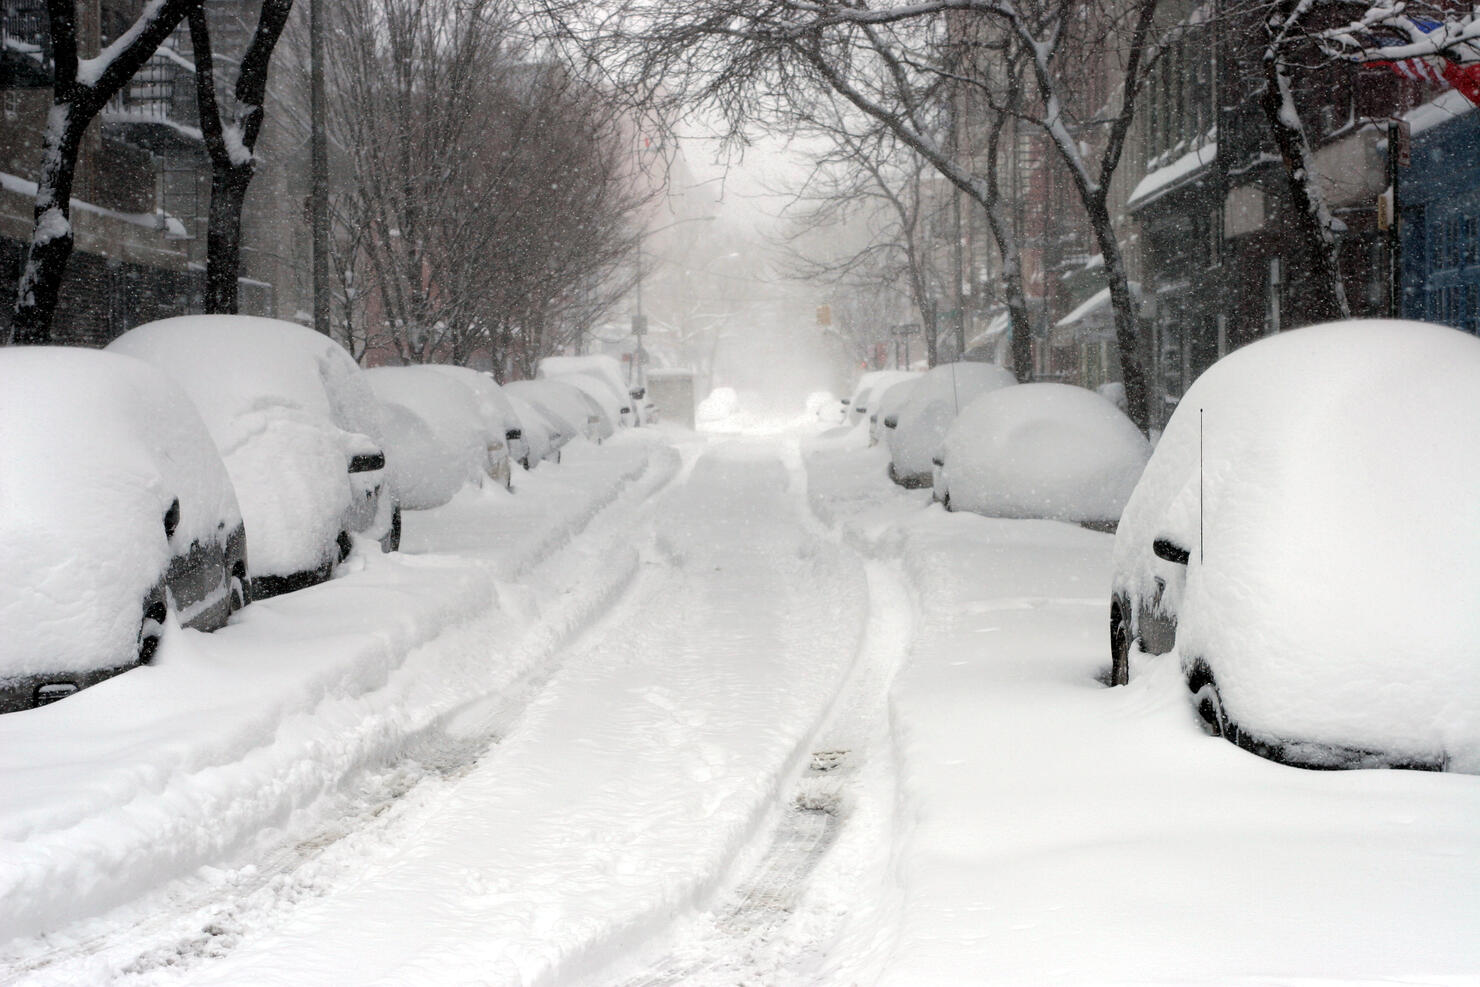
(1189, 167)
(1094, 315)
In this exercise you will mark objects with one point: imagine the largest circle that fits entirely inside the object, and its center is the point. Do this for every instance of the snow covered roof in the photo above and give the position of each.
(1157, 183)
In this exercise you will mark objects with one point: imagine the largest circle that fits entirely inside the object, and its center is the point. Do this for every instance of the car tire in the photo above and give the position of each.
(392, 541)
(345, 546)
(1120, 642)
(1209, 703)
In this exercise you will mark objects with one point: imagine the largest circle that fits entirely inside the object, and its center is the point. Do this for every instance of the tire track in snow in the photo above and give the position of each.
(768, 928)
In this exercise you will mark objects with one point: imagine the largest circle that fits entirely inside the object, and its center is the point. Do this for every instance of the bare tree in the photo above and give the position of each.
(231, 144)
(80, 89)
(892, 62)
(866, 179)
(486, 187)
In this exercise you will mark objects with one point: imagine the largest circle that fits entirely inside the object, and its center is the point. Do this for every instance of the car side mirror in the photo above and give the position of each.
(172, 519)
(513, 435)
(892, 421)
(638, 393)
(367, 462)
(1169, 550)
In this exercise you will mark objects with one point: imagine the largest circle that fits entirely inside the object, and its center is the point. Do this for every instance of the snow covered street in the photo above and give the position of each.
(713, 709)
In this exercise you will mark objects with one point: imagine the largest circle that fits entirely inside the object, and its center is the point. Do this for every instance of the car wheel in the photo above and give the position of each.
(1208, 702)
(345, 545)
(1120, 642)
(392, 541)
(151, 628)
(945, 501)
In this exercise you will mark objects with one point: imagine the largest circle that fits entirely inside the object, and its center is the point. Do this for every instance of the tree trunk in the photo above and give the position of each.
(224, 236)
(1323, 296)
(51, 243)
(1128, 338)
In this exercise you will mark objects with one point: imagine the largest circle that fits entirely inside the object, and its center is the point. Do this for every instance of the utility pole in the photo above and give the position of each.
(319, 168)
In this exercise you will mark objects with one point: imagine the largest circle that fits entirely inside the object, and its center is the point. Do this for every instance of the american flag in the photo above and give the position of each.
(1463, 78)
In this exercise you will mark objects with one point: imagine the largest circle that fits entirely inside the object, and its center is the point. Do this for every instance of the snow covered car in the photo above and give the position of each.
(922, 421)
(600, 377)
(870, 386)
(1042, 450)
(562, 404)
(298, 428)
(502, 428)
(115, 508)
(448, 446)
(542, 437)
(884, 405)
(1304, 539)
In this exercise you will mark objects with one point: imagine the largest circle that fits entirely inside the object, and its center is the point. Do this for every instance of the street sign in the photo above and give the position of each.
(824, 315)
(639, 325)
(905, 329)
(1402, 136)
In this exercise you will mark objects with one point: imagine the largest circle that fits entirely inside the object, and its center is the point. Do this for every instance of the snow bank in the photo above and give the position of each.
(1323, 481)
(427, 465)
(1043, 451)
(932, 405)
(288, 409)
(94, 448)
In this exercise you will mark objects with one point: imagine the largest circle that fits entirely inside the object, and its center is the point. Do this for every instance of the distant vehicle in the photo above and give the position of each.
(504, 432)
(298, 428)
(600, 376)
(921, 422)
(1305, 539)
(1042, 451)
(452, 447)
(115, 509)
(565, 405)
(870, 386)
(826, 409)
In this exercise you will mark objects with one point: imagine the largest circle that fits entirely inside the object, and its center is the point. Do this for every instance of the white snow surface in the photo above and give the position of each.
(1335, 559)
(287, 407)
(721, 403)
(1043, 450)
(654, 724)
(94, 448)
(428, 465)
(932, 406)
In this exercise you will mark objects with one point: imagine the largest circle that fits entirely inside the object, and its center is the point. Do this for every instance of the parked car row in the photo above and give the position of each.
(1303, 537)
(200, 462)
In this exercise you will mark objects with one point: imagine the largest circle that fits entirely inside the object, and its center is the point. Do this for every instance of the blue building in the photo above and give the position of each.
(1439, 198)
